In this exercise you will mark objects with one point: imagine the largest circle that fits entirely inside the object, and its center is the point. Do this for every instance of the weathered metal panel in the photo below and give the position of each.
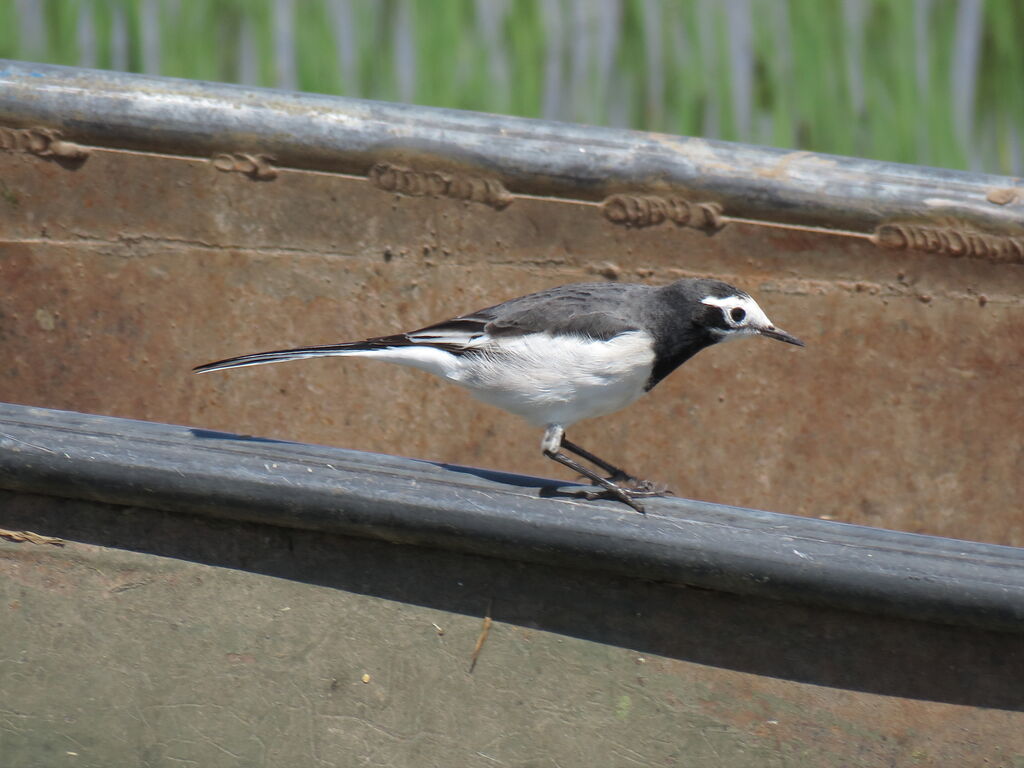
(682, 542)
(141, 636)
(126, 269)
(154, 235)
(158, 639)
(254, 129)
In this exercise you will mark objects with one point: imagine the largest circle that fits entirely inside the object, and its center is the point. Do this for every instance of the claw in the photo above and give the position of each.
(625, 495)
(647, 488)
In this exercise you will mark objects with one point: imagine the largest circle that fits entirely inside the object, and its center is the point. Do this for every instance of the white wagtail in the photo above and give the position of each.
(565, 354)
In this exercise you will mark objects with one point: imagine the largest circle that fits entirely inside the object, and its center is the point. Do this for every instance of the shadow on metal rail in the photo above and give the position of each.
(856, 608)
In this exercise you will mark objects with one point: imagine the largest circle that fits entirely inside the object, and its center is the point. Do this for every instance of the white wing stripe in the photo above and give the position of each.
(455, 339)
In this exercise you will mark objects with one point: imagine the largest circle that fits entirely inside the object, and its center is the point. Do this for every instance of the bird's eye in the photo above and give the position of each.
(737, 314)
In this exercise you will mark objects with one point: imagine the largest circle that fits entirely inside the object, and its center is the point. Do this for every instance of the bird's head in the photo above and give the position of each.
(731, 314)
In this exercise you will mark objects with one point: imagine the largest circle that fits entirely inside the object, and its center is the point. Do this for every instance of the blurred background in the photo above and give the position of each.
(935, 82)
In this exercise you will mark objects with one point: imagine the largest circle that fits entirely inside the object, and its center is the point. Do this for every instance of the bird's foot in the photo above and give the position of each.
(627, 490)
(636, 485)
(617, 492)
(641, 489)
(647, 488)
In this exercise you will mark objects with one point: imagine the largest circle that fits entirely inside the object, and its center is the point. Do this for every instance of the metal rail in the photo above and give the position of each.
(741, 551)
(491, 159)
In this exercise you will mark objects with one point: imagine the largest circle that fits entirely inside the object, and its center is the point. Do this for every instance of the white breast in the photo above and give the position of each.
(558, 379)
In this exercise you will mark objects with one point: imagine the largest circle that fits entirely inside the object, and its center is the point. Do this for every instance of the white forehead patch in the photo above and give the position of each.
(755, 318)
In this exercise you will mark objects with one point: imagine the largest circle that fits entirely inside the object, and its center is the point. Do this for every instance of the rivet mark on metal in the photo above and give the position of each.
(1004, 195)
(257, 166)
(406, 181)
(651, 210)
(44, 142)
(959, 243)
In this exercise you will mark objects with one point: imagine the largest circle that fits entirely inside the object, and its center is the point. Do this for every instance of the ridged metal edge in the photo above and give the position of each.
(535, 157)
(742, 551)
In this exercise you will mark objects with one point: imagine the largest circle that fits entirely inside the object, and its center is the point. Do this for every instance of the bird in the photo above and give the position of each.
(565, 354)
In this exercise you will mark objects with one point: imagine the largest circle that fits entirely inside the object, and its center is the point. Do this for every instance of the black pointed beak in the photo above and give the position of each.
(781, 335)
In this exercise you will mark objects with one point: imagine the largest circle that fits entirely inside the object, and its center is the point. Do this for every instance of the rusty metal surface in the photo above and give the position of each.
(125, 271)
(157, 639)
(457, 152)
(147, 225)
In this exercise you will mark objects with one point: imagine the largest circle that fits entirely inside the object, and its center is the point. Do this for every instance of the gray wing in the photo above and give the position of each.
(591, 310)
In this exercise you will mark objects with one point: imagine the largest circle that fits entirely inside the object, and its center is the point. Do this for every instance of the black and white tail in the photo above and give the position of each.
(349, 348)
(431, 349)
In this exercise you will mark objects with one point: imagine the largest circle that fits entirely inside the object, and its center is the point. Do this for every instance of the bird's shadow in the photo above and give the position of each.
(494, 475)
(545, 487)
(213, 434)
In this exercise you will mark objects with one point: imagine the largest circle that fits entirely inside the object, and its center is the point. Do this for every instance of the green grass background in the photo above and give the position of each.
(937, 82)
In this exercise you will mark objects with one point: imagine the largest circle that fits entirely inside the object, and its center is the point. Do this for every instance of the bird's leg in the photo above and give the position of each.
(615, 474)
(553, 440)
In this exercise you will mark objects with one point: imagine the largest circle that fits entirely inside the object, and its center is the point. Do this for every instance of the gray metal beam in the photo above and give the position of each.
(729, 549)
(533, 157)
